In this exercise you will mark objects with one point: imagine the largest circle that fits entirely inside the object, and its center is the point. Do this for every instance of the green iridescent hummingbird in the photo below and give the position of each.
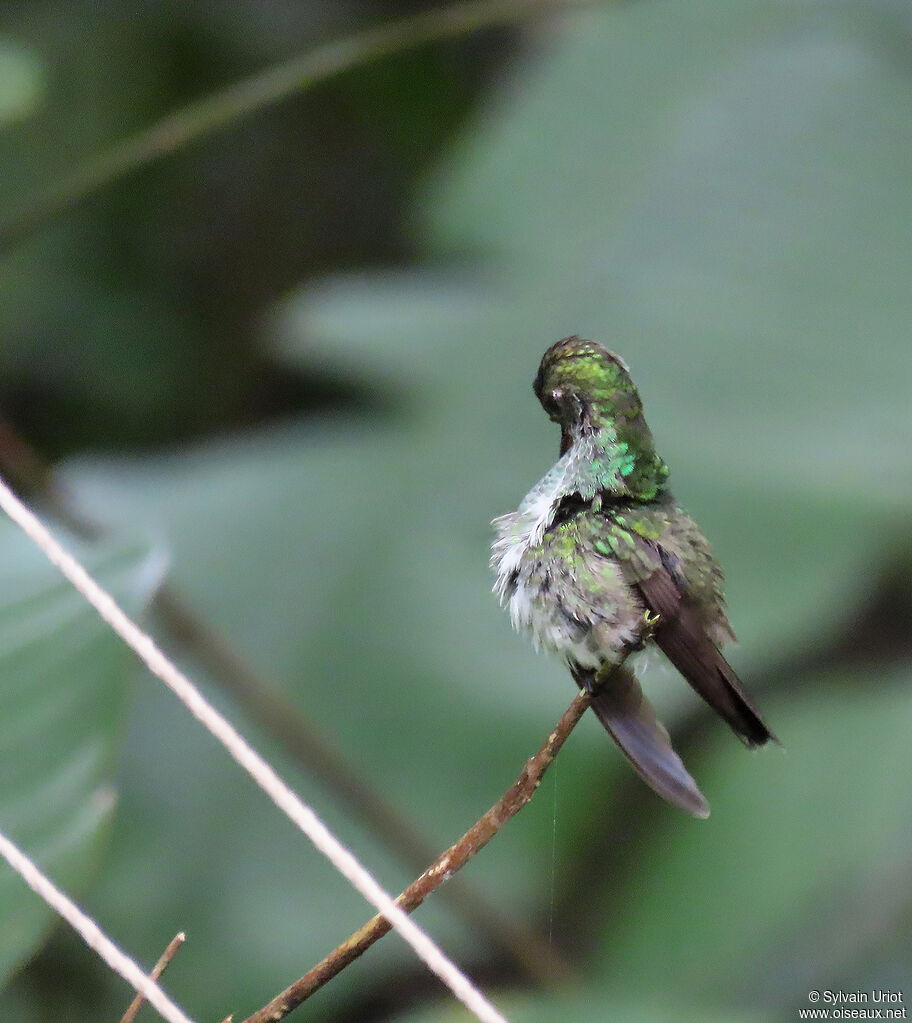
(599, 560)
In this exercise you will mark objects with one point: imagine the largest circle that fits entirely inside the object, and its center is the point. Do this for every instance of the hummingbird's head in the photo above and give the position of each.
(582, 384)
(589, 392)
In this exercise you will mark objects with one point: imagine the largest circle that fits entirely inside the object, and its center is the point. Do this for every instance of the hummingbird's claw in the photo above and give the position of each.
(650, 623)
(590, 683)
(596, 681)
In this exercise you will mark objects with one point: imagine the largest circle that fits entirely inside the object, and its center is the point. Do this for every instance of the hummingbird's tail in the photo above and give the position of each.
(627, 715)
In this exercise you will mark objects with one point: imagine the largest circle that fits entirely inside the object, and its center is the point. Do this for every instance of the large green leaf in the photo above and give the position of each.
(592, 1006)
(345, 615)
(802, 870)
(729, 230)
(21, 82)
(63, 682)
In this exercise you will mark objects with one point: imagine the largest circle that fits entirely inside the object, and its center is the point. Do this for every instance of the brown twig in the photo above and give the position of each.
(33, 479)
(476, 838)
(174, 946)
(264, 702)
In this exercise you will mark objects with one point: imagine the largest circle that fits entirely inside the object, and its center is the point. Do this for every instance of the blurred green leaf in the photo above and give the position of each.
(21, 82)
(652, 184)
(707, 201)
(63, 684)
(346, 620)
(778, 891)
(592, 1006)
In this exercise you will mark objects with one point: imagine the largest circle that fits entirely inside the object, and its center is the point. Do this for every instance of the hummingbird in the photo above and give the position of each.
(600, 560)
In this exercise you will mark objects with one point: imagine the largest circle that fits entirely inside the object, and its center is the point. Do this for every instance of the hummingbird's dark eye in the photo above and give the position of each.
(551, 402)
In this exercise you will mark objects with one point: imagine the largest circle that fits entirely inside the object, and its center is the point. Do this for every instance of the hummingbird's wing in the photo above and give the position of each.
(628, 717)
(681, 634)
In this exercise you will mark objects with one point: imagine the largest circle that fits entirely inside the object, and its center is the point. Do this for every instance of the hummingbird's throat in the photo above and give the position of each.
(595, 462)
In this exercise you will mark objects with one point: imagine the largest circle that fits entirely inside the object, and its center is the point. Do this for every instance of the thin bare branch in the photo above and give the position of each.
(164, 961)
(226, 106)
(255, 766)
(265, 703)
(89, 931)
(447, 864)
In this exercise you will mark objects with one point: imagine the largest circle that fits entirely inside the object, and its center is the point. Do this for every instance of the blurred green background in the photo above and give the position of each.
(288, 370)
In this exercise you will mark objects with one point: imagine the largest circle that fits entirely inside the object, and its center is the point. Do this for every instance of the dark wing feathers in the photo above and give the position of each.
(681, 635)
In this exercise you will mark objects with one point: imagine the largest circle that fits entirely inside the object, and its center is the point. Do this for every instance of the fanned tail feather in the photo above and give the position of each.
(630, 720)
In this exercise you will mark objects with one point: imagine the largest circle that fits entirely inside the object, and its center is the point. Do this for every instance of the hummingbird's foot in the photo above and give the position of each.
(650, 624)
(587, 681)
(597, 680)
